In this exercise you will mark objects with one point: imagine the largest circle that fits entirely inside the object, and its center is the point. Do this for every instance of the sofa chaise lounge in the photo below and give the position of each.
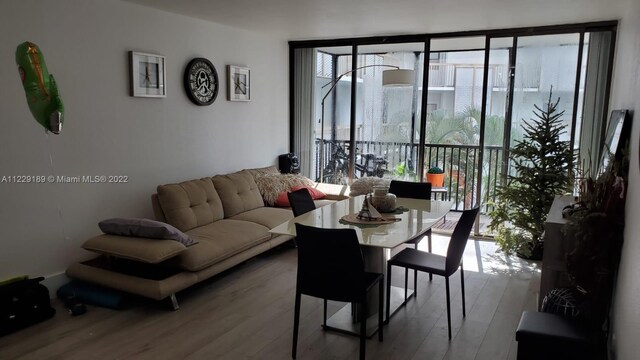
(226, 214)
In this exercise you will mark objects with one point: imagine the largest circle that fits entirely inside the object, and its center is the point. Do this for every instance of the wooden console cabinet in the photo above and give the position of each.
(554, 263)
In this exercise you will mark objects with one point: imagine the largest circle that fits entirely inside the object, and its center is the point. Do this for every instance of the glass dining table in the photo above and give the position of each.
(416, 216)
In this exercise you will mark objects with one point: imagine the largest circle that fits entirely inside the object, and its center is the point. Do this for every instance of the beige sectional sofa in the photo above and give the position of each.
(226, 214)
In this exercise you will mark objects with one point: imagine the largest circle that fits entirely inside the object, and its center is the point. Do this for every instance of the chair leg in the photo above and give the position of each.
(446, 281)
(406, 283)
(464, 310)
(415, 278)
(429, 243)
(324, 317)
(388, 303)
(363, 328)
(380, 309)
(296, 323)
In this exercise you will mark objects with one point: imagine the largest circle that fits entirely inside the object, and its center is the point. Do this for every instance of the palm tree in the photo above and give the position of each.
(442, 128)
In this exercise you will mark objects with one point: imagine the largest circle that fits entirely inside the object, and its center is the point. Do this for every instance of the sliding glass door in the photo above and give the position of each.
(332, 102)
(347, 124)
(387, 116)
(546, 66)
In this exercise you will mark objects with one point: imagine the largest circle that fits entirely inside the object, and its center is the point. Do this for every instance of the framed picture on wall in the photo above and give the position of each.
(147, 75)
(616, 139)
(238, 83)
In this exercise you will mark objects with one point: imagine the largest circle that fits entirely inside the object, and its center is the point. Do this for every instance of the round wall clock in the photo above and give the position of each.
(201, 81)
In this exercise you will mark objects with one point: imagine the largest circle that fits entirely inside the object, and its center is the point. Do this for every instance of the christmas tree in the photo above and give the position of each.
(540, 169)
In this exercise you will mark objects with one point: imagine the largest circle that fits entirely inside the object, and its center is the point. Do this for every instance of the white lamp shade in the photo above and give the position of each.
(398, 77)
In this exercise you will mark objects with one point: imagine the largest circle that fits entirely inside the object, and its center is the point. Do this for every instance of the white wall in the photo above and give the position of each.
(157, 141)
(626, 95)
(152, 141)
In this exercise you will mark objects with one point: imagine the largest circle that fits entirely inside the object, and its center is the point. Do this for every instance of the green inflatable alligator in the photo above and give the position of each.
(40, 87)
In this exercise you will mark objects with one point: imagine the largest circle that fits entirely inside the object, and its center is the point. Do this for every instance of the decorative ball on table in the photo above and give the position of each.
(365, 185)
(382, 200)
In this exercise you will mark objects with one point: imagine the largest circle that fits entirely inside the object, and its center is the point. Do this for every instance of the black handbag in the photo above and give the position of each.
(23, 303)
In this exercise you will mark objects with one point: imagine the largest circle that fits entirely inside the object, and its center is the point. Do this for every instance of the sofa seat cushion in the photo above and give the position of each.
(220, 240)
(266, 216)
(238, 192)
(151, 251)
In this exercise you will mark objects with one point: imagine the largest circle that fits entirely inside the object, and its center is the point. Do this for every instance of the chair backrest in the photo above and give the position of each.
(410, 189)
(459, 239)
(301, 201)
(330, 263)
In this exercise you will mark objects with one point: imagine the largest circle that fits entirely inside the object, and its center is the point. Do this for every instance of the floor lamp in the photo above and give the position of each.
(395, 77)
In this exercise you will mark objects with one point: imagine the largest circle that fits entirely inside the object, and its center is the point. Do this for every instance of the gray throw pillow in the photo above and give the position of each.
(145, 228)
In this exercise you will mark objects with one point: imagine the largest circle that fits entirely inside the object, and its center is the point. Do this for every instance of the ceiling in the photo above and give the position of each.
(328, 19)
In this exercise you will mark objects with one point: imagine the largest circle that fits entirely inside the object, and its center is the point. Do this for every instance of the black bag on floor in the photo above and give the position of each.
(23, 303)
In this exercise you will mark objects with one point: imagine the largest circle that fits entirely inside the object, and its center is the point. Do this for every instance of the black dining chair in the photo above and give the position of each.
(331, 267)
(413, 190)
(437, 264)
(301, 201)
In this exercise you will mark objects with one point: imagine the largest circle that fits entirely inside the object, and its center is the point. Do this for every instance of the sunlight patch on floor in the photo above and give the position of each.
(483, 256)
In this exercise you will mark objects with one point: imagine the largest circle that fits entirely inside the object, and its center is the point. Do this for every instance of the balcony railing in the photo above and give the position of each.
(460, 163)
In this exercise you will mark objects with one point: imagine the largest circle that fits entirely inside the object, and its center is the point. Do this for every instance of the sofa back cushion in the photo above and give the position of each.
(238, 192)
(190, 204)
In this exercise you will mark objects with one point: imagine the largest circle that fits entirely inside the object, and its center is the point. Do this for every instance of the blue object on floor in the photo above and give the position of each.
(92, 294)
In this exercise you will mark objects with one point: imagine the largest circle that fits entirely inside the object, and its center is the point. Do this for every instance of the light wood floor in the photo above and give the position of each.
(247, 313)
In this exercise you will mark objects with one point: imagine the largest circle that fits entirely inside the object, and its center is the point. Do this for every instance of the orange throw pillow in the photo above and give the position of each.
(283, 199)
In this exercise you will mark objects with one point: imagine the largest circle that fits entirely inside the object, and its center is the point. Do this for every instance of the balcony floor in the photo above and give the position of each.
(446, 226)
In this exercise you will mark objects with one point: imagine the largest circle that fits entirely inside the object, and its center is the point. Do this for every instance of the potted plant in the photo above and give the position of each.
(435, 176)
(540, 170)
(595, 230)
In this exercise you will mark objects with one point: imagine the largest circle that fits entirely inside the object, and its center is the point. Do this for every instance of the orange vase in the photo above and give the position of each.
(436, 180)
